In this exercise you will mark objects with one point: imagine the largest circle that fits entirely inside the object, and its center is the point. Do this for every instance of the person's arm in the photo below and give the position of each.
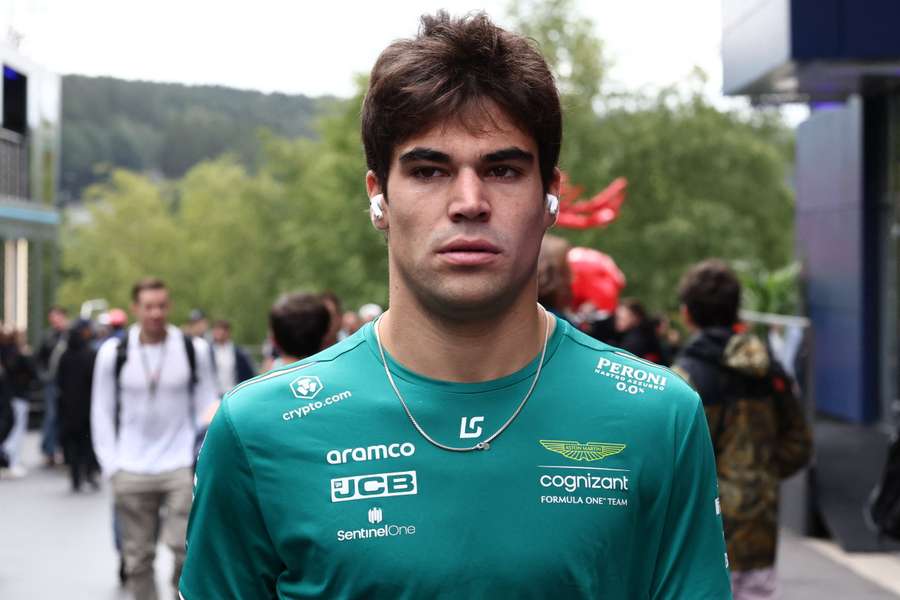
(229, 551)
(206, 391)
(243, 364)
(794, 447)
(103, 408)
(692, 561)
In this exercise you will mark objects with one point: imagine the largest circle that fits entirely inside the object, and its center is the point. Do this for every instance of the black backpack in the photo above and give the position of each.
(122, 356)
(884, 506)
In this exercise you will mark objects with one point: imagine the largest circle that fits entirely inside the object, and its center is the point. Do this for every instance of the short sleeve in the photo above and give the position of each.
(692, 561)
(229, 551)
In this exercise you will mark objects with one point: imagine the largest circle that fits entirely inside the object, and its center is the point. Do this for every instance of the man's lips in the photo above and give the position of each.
(469, 246)
(469, 252)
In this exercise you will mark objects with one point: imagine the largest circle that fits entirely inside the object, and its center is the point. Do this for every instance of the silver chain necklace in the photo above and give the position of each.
(486, 444)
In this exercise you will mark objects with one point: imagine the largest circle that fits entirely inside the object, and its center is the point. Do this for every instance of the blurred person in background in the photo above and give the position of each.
(49, 351)
(231, 363)
(21, 375)
(13, 417)
(118, 323)
(74, 378)
(148, 394)
(369, 312)
(554, 276)
(668, 337)
(350, 322)
(335, 315)
(758, 428)
(197, 325)
(299, 323)
(636, 331)
(7, 421)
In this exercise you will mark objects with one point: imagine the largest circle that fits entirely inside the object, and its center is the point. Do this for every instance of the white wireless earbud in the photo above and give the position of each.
(552, 204)
(375, 208)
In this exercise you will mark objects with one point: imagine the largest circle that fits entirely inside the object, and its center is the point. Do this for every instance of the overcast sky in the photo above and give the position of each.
(315, 48)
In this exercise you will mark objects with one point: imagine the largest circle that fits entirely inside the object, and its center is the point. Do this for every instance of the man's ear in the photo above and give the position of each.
(377, 205)
(554, 188)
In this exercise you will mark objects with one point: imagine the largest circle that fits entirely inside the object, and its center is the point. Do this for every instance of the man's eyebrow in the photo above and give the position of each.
(428, 154)
(511, 153)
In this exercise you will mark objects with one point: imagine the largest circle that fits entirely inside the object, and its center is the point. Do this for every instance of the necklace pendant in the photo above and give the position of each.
(483, 446)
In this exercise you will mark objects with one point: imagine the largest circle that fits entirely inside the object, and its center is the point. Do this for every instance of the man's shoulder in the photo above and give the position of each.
(108, 349)
(299, 381)
(629, 374)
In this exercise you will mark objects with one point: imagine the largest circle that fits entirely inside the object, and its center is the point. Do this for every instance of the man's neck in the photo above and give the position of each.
(464, 351)
(148, 337)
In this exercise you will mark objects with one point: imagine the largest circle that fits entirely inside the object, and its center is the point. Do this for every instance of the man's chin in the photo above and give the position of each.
(469, 302)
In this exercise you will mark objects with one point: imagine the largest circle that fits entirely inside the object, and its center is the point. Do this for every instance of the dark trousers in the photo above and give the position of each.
(80, 456)
(49, 433)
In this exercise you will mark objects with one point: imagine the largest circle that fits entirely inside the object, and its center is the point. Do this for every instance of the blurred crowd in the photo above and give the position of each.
(109, 398)
(50, 386)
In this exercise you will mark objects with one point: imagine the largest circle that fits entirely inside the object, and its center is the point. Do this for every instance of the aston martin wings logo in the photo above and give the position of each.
(579, 451)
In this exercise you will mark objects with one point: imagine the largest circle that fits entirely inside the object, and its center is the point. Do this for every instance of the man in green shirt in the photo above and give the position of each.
(466, 444)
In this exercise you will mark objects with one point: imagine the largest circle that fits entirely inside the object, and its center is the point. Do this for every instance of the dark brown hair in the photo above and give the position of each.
(146, 283)
(636, 307)
(299, 323)
(453, 69)
(711, 293)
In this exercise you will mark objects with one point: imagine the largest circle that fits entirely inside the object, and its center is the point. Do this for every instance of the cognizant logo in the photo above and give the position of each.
(377, 452)
(571, 483)
(302, 411)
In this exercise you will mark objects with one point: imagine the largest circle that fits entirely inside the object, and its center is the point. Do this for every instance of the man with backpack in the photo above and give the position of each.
(148, 390)
(758, 427)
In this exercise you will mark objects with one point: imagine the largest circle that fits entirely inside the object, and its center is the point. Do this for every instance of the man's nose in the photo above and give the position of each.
(468, 200)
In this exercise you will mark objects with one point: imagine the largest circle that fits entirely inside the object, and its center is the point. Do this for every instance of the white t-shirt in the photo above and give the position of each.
(225, 372)
(156, 431)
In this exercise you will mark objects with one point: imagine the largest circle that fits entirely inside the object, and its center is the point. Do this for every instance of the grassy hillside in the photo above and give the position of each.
(164, 128)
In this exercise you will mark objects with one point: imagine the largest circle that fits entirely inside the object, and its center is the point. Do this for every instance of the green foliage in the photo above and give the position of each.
(167, 128)
(283, 212)
(701, 181)
(231, 241)
(770, 290)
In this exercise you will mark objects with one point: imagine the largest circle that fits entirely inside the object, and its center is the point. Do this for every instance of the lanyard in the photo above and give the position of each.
(153, 376)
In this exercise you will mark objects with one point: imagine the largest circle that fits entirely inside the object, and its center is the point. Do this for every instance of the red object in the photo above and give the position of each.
(117, 317)
(595, 278)
(599, 211)
(779, 385)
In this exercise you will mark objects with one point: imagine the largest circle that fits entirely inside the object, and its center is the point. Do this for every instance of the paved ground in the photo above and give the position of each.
(56, 544)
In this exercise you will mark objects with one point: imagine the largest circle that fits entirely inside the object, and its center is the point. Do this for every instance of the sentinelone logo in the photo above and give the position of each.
(630, 379)
(375, 516)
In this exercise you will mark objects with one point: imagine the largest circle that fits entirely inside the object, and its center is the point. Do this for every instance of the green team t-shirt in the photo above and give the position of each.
(313, 483)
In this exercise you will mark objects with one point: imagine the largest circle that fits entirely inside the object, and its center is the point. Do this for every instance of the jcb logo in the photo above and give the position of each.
(362, 487)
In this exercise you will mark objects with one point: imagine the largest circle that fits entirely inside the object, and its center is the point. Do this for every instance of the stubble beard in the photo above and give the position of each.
(443, 299)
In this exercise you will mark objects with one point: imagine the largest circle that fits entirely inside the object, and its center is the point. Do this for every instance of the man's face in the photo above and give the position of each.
(625, 319)
(151, 310)
(57, 320)
(221, 334)
(465, 216)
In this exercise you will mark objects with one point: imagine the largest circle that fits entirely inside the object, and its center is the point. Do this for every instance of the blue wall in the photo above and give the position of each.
(832, 244)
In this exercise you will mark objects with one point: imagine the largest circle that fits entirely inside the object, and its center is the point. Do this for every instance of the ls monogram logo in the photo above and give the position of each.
(469, 428)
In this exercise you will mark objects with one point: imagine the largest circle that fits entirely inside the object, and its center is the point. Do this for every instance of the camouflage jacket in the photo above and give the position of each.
(759, 432)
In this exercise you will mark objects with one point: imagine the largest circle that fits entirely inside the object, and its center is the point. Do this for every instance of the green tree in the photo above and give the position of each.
(702, 181)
